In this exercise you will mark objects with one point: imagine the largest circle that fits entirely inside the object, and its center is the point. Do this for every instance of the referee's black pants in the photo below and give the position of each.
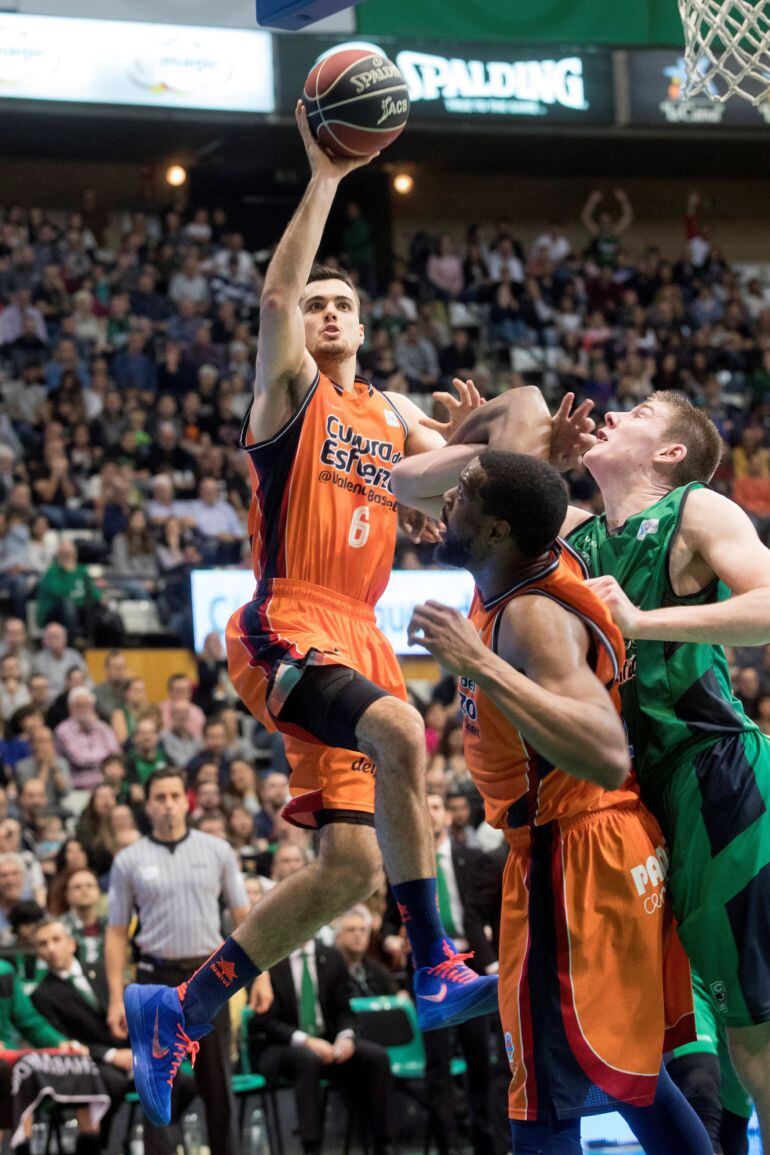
(212, 1071)
(365, 1080)
(474, 1040)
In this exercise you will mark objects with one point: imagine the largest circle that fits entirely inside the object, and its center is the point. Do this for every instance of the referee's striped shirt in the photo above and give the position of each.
(175, 888)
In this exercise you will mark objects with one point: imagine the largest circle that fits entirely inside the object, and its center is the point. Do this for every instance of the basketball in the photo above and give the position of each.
(357, 102)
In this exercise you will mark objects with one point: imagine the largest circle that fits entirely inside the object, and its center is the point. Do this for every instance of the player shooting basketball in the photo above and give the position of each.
(306, 657)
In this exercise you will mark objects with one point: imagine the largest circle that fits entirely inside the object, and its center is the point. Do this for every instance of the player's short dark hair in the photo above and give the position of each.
(527, 493)
(160, 775)
(695, 429)
(321, 272)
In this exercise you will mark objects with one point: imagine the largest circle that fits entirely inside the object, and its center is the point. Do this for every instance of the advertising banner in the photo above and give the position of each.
(480, 84)
(218, 593)
(127, 63)
(656, 90)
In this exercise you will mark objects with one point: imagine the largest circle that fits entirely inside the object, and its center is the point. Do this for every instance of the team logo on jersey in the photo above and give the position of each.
(346, 451)
(650, 880)
(648, 526)
(467, 691)
(628, 669)
(391, 418)
(510, 1051)
(719, 991)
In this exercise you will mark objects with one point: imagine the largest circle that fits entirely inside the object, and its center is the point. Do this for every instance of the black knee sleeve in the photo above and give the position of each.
(734, 1133)
(698, 1078)
(328, 702)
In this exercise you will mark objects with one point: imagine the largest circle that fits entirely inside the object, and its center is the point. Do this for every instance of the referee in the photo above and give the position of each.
(176, 880)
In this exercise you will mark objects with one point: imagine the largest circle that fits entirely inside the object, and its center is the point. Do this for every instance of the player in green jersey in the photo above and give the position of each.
(666, 556)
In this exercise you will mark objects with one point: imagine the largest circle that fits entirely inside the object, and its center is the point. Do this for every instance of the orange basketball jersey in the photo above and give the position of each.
(519, 786)
(322, 509)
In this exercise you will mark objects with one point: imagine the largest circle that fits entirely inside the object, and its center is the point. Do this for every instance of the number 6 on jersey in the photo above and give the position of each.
(359, 527)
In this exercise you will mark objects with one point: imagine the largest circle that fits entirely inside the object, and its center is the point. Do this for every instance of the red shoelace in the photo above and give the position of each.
(183, 1046)
(453, 968)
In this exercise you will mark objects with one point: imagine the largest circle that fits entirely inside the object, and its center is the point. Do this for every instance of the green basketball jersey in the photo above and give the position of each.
(676, 696)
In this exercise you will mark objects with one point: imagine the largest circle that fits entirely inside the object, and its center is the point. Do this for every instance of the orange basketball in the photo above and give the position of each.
(357, 102)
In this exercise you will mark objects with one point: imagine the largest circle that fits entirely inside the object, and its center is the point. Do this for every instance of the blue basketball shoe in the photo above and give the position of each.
(160, 1041)
(450, 993)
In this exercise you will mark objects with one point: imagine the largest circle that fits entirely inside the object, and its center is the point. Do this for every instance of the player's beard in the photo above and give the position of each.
(333, 351)
(454, 550)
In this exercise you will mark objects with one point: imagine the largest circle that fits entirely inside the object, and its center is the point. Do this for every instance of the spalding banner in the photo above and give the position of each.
(472, 82)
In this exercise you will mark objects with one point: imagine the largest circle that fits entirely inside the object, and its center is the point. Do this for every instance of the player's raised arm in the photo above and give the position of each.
(284, 368)
(518, 421)
(539, 679)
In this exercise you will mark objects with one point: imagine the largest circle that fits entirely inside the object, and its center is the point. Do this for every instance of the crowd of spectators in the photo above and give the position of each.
(75, 760)
(127, 348)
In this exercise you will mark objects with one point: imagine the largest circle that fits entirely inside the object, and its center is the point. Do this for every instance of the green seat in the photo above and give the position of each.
(244, 1084)
(406, 1052)
(244, 1059)
(247, 1082)
(398, 1031)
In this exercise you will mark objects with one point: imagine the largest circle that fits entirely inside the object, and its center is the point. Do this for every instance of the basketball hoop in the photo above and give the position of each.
(727, 49)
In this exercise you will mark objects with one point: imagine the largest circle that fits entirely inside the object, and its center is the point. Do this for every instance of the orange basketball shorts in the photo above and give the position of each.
(270, 644)
(594, 983)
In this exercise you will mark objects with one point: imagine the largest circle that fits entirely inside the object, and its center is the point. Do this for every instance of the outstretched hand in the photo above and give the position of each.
(468, 400)
(572, 433)
(449, 636)
(323, 163)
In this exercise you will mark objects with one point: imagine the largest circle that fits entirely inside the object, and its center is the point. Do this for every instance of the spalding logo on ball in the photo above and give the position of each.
(357, 102)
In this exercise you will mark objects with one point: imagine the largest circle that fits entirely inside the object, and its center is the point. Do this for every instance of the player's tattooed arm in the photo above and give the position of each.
(540, 679)
(716, 539)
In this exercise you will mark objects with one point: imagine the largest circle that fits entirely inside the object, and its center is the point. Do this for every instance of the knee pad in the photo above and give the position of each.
(698, 1078)
(328, 702)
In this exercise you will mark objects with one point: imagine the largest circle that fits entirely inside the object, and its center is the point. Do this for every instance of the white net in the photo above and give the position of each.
(727, 48)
